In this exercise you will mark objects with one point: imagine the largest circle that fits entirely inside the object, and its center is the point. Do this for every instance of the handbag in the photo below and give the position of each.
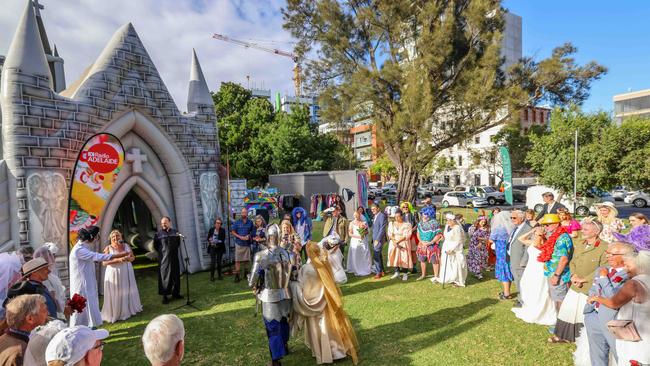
(624, 330)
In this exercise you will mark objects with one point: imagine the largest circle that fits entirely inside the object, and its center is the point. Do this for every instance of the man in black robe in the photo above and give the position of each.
(167, 242)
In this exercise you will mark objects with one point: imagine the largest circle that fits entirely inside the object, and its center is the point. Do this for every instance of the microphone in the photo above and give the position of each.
(181, 235)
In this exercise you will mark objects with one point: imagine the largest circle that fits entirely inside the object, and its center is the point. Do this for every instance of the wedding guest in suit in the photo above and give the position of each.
(550, 205)
(607, 282)
(518, 251)
(633, 303)
(588, 255)
(24, 313)
(379, 225)
(216, 247)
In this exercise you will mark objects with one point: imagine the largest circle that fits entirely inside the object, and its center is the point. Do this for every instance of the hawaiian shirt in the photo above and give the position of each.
(563, 248)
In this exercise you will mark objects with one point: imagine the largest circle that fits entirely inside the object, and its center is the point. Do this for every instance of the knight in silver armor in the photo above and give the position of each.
(270, 281)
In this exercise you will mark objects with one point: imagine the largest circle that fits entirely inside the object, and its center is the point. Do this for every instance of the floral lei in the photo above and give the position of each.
(549, 245)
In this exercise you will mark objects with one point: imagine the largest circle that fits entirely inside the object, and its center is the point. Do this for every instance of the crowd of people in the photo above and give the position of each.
(40, 326)
(587, 281)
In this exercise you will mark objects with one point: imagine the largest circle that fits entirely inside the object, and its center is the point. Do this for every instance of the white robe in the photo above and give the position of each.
(454, 266)
(83, 281)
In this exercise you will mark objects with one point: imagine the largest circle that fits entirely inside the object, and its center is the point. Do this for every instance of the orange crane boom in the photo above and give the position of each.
(297, 80)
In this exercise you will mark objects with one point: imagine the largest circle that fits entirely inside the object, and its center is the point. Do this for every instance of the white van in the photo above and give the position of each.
(584, 205)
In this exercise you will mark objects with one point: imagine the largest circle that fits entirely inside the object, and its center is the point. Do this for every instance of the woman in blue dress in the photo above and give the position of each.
(502, 228)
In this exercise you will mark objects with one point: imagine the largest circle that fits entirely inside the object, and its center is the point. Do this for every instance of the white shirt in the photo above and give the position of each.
(514, 235)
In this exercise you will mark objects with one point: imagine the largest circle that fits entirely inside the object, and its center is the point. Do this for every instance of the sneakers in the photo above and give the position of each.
(405, 277)
(394, 276)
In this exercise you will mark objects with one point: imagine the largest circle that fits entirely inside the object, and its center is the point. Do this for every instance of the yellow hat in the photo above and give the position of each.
(549, 219)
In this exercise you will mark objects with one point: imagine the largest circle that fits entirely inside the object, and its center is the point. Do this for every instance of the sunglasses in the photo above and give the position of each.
(100, 346)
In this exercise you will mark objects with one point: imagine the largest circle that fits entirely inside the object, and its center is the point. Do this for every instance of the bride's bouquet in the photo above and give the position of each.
(363, 231)
(77, 303)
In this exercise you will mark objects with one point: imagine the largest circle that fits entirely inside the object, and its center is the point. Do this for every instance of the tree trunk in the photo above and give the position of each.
(407, 183)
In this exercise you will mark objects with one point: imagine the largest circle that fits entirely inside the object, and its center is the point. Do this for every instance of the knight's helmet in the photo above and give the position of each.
(272, 236)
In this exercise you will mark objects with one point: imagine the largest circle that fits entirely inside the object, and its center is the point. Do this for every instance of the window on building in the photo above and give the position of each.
(457, 180)
(492, 180)
(525, 114)
(460, 160)
(477, 179)
(477, 139)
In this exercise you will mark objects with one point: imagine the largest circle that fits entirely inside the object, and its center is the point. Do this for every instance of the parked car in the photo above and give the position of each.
(637, 198)
(519, 193)
(423, 191)
(584, 203)
(463, 199)
(619, 193)
(492, 196)
(439, 188)
(389, 187)
(604, 195)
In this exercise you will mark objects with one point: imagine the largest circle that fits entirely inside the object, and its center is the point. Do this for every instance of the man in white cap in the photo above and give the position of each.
(73, 345)
(34, 273)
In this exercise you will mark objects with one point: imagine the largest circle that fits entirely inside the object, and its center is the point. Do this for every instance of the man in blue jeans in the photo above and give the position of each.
(379, 224)
(242, 230)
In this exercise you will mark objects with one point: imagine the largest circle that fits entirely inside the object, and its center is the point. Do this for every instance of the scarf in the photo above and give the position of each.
(548, 246)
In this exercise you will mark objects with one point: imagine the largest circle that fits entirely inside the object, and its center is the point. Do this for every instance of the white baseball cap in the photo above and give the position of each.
(71, 344)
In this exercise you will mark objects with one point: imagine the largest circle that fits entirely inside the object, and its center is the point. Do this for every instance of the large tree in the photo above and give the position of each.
(258, 141)
(428, 72)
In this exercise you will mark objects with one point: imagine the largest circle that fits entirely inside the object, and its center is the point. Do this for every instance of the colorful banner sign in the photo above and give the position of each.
(507, 173)
(98, 165)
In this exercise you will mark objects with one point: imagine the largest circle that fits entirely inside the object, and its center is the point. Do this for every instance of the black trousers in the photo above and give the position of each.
(216, 257)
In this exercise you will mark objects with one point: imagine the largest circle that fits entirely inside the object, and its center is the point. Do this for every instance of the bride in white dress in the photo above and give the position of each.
(537, 308)
(121, 297)
(358, 253)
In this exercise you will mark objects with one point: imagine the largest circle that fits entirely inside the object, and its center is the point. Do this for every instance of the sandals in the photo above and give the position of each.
(556, 339)
(503, 296)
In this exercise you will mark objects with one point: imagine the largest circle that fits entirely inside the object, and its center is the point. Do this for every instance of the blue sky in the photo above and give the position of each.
(613, 33)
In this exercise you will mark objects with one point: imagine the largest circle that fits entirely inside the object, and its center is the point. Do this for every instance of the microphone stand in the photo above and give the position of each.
(186, 259)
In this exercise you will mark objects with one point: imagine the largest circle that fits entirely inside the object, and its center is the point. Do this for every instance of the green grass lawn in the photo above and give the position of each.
(412, 323)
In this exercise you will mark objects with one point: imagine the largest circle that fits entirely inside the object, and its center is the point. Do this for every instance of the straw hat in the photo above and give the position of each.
(33, 266)
(549, 219)
(609, 205)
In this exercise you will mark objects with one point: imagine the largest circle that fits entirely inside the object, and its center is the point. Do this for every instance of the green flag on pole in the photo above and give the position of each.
(507, 173)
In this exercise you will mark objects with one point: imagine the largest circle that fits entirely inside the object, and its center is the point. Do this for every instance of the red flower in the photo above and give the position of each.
(617, 279)
(77, 303)
(635, 363)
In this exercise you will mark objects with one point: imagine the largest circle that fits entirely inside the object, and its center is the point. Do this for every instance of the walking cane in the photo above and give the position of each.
(444, 270)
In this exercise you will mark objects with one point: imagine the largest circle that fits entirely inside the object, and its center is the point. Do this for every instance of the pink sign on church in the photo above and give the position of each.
(94, 174)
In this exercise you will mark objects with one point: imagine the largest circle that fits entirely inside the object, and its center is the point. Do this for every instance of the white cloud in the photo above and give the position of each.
(169, 30)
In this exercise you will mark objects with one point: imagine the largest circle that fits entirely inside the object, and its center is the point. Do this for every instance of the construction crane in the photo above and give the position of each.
(297, 79)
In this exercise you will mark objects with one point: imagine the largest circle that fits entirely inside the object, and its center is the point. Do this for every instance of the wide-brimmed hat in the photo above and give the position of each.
(549, 219)
(609, 205)
(33, 266)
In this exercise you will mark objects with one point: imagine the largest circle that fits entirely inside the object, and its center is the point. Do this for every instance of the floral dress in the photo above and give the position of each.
(477, 256)
(502, 267)
(428, 231)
